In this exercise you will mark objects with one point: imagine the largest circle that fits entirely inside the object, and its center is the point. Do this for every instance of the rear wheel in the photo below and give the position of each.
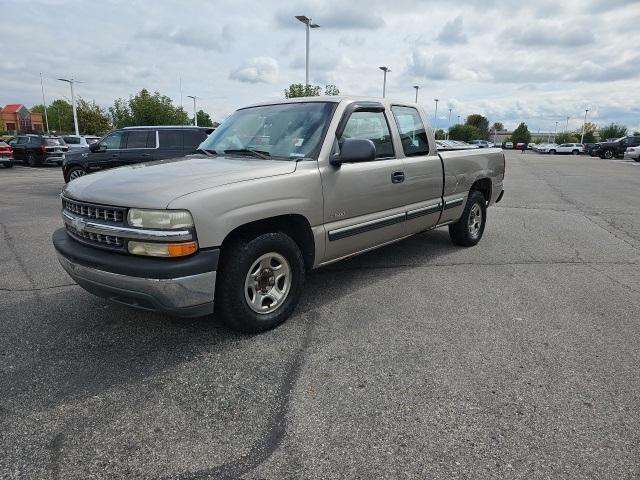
(552, 152)
(608, 154)
(468, 231)
(10, 164)
(75, 172)
(259, 282)
(575, 152)
(31, 160)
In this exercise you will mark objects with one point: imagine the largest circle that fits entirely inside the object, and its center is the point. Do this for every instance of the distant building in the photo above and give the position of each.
(17, 118)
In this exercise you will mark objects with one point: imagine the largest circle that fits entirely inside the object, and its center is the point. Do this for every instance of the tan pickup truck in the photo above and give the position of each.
(278, 189)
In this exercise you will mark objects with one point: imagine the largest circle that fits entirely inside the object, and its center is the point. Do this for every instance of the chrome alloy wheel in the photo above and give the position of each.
(267, 283)
(475, 220)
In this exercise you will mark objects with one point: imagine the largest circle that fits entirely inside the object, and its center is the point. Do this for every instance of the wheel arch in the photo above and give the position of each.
(294, 225)
(484, 186)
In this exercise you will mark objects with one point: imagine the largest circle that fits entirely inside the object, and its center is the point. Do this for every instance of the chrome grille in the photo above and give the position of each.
(98, 212)
(108, 241)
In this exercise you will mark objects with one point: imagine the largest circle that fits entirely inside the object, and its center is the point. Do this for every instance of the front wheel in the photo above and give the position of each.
(468, 231)
(10, 165)
(608, 154)
(31, 160)
(259, 282)
(552, 152)
(575, 152)
(75, 172)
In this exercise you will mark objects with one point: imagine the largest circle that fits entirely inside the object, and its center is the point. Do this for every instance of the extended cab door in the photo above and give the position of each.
(363, 202)
(423, 170)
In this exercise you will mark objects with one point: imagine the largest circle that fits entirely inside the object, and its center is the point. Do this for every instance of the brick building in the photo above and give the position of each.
(15, 117)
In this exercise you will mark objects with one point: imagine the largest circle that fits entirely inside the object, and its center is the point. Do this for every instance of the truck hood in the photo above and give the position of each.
(156, 184)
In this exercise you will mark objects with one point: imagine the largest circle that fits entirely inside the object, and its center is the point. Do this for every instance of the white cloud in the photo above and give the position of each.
(452, 32)
(257, 70)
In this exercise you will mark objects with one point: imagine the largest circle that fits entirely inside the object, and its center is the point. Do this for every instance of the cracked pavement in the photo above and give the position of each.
(517, 358)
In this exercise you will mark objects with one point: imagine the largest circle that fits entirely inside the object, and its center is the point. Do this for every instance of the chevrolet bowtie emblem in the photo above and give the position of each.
(78, 224)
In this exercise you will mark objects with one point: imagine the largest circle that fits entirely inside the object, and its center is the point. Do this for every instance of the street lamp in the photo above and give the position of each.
(73, 101)
(555, 132)
(435, 115)
(384, 80)
(417, 87)
(583, 124)
(195, 114)
(449, 127)
(309, 25)
(458, 120)
(44, 102)
(566, 127)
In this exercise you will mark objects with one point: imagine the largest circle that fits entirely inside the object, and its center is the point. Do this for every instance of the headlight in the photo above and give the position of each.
(160, 219)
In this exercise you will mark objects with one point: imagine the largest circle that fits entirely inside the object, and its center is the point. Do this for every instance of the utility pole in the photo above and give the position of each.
(46, 118)
(195, 113)
(384, 80)
(417, 87)
(309, 25)
(583, 125)
(566, 127)
(71, 81)
(435, 115)
(555, 132)
(449, 126)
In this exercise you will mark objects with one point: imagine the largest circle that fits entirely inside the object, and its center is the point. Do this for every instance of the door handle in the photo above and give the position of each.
(115, 155)
(145, 155)
(397, 177)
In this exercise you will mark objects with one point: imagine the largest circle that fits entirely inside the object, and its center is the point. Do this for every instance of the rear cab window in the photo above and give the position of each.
(54, 142)
(193, 138)
(72, 140)
(139, 139)
(412, 132)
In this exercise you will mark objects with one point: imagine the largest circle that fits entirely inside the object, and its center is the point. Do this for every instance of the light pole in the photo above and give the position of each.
(566, 127)
(417, 87)
(458, 120)
(384, 80)
(44, 102)
(449, 127)
(583, 124)
(309, 25)
(555, 132)
(73, 102)
(195, 114)
(435, 115)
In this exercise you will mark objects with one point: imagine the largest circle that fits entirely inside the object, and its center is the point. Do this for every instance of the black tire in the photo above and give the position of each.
(637, 159)
(31, 160)
(608, 154)
(8, 165)
(232, 303)
(575, 152)
(74, 173)
(552, 152)
(460, 232)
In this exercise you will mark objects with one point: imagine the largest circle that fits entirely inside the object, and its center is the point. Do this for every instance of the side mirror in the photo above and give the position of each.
(94, 147)
(355, 150)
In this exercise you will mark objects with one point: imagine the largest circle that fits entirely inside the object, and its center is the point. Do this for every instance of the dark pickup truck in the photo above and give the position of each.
(615, 148)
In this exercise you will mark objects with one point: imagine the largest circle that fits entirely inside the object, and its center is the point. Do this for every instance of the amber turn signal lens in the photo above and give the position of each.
(182, 249)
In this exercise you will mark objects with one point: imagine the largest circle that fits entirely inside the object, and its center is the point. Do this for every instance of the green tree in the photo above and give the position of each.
(204, 120)
(440, 134)
(296, 90)
(613, 130)
(521, 134)
(60, 115)
(497, 126)
(464, 133)
(566, 137)
(590, 130)
(481, 123)
(147, 109)
(331, 90)
(92, 118)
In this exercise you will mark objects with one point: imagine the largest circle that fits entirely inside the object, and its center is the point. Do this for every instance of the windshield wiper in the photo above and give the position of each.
(254, 153)
(209, 153)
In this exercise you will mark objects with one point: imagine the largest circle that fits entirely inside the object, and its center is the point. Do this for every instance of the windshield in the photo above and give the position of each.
(289, 130)
(54, 142)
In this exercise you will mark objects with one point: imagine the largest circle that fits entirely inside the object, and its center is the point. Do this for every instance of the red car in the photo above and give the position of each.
(6, 155)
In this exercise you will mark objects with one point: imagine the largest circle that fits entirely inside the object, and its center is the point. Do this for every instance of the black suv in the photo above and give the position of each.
(39, 149)
(130, 145)
(616, 148)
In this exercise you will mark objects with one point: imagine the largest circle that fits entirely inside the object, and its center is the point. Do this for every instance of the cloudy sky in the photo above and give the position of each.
(537, 61)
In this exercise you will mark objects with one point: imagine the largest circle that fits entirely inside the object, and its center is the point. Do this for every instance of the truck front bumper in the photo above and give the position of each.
(181, 287)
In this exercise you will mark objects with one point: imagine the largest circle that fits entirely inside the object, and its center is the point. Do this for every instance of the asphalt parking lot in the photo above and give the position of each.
(517, 358)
